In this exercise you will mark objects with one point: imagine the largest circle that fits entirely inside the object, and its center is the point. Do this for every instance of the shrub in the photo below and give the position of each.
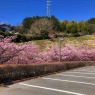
(6, 34)
(15, 72)
(21, 38)
(44, 34)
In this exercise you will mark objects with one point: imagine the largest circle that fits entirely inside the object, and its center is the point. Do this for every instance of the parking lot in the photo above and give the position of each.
(74, 82)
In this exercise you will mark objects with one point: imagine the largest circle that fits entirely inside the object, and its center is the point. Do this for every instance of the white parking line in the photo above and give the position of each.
(52, 89)
(69, 81)
(76, 76)
(86, 71)
(81, 73)
(83, 68)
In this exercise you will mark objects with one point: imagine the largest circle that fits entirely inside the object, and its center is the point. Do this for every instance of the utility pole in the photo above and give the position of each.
(60, 39)
(48, 8)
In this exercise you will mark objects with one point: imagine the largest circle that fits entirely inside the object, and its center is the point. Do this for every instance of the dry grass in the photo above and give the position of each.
(88, 41)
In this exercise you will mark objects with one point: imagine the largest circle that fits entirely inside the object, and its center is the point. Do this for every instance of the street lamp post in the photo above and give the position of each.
(60, 39)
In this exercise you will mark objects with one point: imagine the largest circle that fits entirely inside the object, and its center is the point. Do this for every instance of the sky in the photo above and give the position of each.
(14, 11)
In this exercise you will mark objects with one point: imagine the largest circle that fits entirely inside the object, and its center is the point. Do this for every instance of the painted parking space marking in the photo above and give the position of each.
(81, 73)
(76, 76)
(78, 82)
(51, 89)
(85, 71)
(86, 68)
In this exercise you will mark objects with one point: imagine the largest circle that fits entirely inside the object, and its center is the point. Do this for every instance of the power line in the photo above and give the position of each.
(48, 8)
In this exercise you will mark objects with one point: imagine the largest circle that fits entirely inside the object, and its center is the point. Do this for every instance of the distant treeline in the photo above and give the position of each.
(34, 25)
(48, 27)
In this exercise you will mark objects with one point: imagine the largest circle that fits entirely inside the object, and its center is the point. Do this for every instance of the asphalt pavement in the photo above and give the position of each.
(74, 82)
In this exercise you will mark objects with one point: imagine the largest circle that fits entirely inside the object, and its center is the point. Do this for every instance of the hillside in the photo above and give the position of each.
(88, 40)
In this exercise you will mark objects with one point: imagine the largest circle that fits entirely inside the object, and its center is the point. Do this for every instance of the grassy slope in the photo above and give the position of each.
(88, 40)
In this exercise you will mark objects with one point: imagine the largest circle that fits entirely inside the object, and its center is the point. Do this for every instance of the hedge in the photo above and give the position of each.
(10, 73)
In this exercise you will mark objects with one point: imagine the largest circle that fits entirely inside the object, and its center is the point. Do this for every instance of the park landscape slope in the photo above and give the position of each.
(87, 41)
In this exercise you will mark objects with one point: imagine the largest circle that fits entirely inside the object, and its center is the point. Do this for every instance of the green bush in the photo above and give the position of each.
(25, 38)
(5, 34)
(44, 34)
(21, 38)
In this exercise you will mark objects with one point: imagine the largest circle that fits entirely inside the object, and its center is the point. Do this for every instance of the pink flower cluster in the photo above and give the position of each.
(51, 36)
(12, 53)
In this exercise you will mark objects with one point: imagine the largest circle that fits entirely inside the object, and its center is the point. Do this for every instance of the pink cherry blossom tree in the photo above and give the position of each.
(24, 53)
